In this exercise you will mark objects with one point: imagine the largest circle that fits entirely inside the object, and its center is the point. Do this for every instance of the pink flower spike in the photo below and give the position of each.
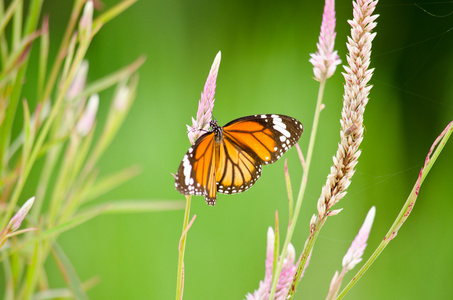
(206, 104)
(333, 282)
(89, 116)
(122, 99)
(355, 252)
(286, 275)
(325, 61)
(86, 21)
(78, 83)
(19, 217)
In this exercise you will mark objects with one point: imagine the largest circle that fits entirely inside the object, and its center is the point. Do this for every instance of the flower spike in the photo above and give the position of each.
(88, 118)
(355, 98)
(354, 254)
(325, 61)
(205, 105)
(284, 281)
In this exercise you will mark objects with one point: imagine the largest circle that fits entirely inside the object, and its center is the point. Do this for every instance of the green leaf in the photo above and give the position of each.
(111, 79)
(112, 181)
(7, 16)
(52, 143)
(18, 57)
(110, 14)
(28, 140)
(137, 206)
(34, 10)
(64, 293)
(68, 272)
(75, 221)
(43, 58)
(32, 271)
(9, 281)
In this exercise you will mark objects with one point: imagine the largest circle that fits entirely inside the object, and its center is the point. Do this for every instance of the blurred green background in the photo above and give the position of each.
(265, 50)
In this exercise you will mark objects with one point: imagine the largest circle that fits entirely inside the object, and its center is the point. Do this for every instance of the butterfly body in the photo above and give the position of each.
(228, 159)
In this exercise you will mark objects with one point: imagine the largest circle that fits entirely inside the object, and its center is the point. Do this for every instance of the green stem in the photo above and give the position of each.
(46, 127)
(34, 10)
(6, 126)
(180, 279)
(302, 188)
(7, 15)
(305, 256)
(17, 25)
(405, 211)
(78, 5)
(62, 182)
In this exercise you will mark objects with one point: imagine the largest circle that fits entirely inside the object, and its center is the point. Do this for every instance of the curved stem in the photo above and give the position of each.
(438, 145)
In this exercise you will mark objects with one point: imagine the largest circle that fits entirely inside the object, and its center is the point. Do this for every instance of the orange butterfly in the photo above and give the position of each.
(228, 159)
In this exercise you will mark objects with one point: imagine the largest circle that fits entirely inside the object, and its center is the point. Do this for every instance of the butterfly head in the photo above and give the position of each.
(216, 128)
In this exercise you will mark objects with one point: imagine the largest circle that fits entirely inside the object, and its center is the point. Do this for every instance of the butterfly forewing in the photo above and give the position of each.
(268, 136)
(193, 172)
(228, 160)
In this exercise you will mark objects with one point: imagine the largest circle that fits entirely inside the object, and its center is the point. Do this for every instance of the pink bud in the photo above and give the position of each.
(19, 217)
(89, 116)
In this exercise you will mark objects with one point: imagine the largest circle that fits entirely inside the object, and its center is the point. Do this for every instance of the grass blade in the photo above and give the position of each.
(137, 206)
(69, 273)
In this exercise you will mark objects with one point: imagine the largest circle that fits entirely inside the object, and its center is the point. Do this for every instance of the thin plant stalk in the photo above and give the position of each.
(43, 56)
(77, 8)
(5, 129)
(406, 209)
(32, 18)
(17, 24)
(49, 131)
(7, 121)
(182, 249)
(46, 127)
(303, 186)
(355, 98)
(199, 125)
(324, 62)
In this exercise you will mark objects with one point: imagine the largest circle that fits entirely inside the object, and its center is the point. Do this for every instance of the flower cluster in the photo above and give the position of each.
(354, 254)
(355, 99)
(205, 105)
(286, 275)
(325, 61)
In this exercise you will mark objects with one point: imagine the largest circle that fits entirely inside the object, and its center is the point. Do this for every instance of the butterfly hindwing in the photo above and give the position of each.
(239, 169)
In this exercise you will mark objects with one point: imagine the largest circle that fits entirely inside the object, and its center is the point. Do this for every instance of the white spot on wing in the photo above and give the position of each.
(282, 130)
(187, 169)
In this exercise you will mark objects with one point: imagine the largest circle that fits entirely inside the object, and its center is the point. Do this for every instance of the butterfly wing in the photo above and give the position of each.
(228, 160)
(248, 143)
(267, 136)
(196, 173)
(238, 168)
